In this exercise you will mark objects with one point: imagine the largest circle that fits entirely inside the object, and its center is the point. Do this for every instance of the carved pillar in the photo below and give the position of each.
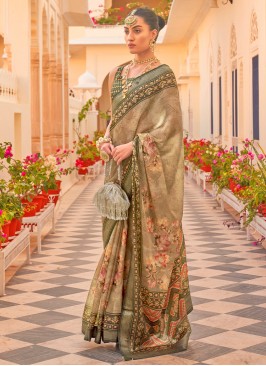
(66, 107)
(46, 105)
(66, 104)
(52, 104)
(35, 101)
(59, 106)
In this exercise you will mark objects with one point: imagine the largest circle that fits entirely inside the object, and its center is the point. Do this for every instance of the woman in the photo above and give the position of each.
(139, 296)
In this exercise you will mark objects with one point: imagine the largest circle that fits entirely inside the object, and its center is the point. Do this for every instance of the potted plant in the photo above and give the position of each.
(254, 197)
(86, 151)
(221, 168)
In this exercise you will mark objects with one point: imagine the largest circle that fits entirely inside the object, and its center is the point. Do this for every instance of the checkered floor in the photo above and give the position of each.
(40, 318)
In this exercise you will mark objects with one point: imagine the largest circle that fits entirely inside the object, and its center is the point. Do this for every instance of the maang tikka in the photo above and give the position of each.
(131, 19)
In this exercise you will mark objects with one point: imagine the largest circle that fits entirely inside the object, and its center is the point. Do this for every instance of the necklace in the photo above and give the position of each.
(137, 62)
(127, 84)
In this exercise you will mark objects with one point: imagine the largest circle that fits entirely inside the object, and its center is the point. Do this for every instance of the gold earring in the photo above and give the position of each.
(152, 45)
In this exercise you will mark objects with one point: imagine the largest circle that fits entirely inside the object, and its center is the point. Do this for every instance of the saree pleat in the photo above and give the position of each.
(140, 292)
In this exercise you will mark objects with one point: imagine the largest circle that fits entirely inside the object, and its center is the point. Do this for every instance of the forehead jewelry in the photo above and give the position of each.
(131, 19)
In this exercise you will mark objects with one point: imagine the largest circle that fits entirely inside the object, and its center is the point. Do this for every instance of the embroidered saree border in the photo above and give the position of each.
(148, 89)
(136, 245)
(156, 300)
(108, 321)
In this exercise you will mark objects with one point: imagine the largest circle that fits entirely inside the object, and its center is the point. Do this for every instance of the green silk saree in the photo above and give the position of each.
(139, 296)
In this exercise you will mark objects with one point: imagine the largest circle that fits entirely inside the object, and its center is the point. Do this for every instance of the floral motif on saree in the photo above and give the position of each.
(140, 292)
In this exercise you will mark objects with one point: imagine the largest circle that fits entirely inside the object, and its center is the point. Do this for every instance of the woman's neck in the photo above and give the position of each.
(143, 56)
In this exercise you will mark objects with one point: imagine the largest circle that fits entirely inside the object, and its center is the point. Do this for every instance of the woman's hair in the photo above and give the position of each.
(153, 20)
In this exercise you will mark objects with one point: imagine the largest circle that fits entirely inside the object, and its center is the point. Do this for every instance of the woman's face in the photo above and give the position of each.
(138, 36)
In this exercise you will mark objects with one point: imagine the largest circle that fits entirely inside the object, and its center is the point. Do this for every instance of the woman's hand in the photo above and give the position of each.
(107, 147)
(122, 152)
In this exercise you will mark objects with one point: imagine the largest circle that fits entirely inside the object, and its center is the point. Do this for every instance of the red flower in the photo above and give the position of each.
(8, 153)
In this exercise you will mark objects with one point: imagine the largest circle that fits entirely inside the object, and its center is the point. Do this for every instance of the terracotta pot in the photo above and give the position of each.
(30, 209)
(88, 162)
(262, 209)
(6, 230)
(13, 227)
(53, 198)
(58, 183)
(206, 168)
(19, 223)
(45, 197)
(82, 171)
(232, 185)
(39, 202)
(53, 191)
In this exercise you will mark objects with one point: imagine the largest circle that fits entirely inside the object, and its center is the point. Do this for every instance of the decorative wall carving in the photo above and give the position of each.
(219, 57)
(211, 65)
(254, 30)
(233, 42)
(194, 59)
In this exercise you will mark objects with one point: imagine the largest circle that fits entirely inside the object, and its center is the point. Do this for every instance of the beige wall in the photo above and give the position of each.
(101, 59)
(215, 32)
(14, 26)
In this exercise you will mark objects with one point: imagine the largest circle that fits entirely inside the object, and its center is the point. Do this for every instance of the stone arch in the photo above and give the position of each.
(233, 42)
(254, 29)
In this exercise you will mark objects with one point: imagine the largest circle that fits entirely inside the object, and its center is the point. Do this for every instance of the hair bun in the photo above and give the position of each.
(161, 22)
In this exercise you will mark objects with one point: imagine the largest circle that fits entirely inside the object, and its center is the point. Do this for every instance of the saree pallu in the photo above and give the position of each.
(139, 296)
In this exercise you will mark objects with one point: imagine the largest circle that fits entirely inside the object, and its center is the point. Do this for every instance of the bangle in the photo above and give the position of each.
(102, 140)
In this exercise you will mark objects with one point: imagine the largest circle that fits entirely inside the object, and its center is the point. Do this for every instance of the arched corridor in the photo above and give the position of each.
(41, 313)
(81, 77)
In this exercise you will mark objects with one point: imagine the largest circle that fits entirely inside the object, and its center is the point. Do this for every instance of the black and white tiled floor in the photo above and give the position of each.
(40, 318)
